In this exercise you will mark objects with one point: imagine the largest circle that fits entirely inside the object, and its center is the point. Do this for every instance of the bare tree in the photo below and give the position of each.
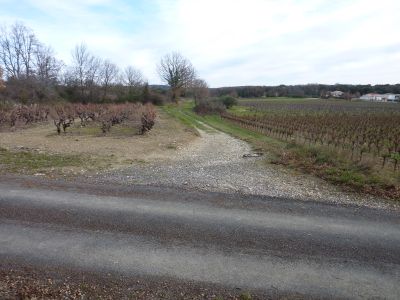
(132, 77)
(93, 76)
(30, 68)
(133, 81)
(177, 71)
(47, 66)
(81, 60)
(10, 58)
(17, 48)
(85, 71)
(108, 74)
(26, 43)
(2, 86)
(200, 90)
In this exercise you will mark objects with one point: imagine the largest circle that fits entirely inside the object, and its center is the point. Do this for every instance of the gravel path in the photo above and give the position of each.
(214, 162)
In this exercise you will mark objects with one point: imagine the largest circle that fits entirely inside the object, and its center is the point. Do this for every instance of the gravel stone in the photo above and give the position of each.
(215, 162)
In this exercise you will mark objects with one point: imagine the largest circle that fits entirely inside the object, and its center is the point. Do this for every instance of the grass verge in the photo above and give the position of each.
(186, 116)
(184, 113)
(257, 140)
(320, 161)
(335, 168)
(26, 162)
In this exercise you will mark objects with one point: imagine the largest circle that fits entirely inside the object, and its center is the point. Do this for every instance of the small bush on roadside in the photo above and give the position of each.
(154, 98)
(148, 119)
(208, 107)
(138, 114)
(245, 296)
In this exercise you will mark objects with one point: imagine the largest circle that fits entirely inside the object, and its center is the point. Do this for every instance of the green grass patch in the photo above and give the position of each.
(171, 146)
(89, 130)
(278, 99)
(94, 129)
(186, 116)
(32, 162)
(245, 296)
(240, 110)
(255, 138)
(335, 168)
(124, 130)
(135, 161)
(184, 112)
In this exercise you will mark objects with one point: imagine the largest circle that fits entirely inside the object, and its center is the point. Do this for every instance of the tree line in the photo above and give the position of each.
(92, 79)
(30, 73)
(306, 90)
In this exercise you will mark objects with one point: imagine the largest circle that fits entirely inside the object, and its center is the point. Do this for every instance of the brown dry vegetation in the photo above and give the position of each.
(92, 148)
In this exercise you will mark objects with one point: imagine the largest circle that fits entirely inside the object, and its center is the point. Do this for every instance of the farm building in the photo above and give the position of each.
(336, 94)
(392, 97)
(371, 97)
(381, 97)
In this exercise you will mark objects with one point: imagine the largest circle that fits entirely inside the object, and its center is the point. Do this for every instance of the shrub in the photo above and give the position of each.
(148, 119)
(245, 296)
(228, 101)
(154, 98)
(206, 107)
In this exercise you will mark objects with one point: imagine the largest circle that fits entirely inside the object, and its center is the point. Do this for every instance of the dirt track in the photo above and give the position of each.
(214, 162)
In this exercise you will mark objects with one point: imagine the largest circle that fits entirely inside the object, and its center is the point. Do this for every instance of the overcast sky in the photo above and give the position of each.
(250, 42)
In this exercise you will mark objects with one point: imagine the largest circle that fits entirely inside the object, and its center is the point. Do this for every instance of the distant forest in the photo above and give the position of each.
(300, 91)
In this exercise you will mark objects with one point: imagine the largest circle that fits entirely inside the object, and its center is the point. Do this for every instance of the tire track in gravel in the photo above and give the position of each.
(214, 162)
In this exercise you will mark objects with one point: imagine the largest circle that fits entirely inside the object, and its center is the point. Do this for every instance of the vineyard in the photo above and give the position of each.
(317, 105)
(63, 116)
(360, 131)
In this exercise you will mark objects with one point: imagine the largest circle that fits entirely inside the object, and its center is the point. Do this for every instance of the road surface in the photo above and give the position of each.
(254, 243)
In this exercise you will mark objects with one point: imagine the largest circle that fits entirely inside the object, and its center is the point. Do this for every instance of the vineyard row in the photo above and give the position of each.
(375, 134)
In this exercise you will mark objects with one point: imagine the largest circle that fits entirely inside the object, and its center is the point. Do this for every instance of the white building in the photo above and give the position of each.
(381, 97)
(392, 97)
(373, 97)
(336, 94)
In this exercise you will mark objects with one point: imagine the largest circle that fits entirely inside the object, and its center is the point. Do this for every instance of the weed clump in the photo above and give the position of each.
(209, 107)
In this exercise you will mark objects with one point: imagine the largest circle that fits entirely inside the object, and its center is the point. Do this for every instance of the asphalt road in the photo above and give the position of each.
(255, 243)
